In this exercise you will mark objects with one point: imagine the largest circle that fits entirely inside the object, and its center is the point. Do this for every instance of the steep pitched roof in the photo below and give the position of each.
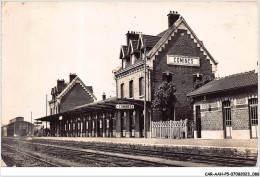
(162, 33)
(90, 88)
(167, 34)
(231, 82)
(72, 83)
(132, 47)
(149, 39)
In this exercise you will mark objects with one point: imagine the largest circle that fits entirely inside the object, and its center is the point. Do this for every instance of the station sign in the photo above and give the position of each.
(37, 123)
(183, 60)
(125, 106)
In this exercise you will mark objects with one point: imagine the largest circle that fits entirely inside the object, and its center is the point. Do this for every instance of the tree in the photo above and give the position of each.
(205, 79)
(164, 100)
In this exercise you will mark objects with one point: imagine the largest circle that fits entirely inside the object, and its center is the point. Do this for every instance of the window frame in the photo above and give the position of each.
(131, 89)
(122, 94)
(141, 86)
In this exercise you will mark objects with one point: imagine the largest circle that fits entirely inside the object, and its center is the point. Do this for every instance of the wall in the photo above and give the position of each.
(134, 75)
(212, 118)
(21, 128)
(76, 96)
(180, 44)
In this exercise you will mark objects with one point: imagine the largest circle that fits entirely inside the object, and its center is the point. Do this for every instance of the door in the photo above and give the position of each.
(198, 121)
(253, 117)
(227, 120)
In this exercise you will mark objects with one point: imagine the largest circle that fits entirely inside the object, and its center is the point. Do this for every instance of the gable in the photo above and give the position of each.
(70, 86)
(180, 24)
(76, 96)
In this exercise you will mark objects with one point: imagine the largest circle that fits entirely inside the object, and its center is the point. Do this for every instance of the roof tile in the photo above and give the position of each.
(151, 40)
(231, 82)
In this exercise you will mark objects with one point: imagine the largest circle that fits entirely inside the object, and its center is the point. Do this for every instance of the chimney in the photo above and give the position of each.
(72, 76)
(131, 35)
(60, 85)
(103, 96)
(172, 18)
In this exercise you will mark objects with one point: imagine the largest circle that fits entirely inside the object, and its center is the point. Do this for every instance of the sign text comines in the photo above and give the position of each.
(183, 60)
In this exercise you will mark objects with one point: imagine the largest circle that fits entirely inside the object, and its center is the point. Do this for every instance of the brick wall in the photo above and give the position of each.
(180, 44)
(75, 97)
(213, 120)
(240, 118)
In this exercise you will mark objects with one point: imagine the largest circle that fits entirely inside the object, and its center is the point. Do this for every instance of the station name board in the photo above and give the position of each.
(124, 106)
(183, 60)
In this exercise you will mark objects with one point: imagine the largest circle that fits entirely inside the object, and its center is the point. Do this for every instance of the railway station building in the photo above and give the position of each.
(174, 55)
(227, 107)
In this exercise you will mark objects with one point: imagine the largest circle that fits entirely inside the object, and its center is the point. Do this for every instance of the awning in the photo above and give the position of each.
(104, 105)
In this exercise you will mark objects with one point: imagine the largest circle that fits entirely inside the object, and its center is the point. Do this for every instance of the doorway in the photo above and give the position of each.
(227, 119)
(198, 121)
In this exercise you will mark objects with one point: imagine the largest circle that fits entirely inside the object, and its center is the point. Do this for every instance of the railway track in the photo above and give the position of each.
(20, 159)
(196, 158)
(131, 151)
(88, 158)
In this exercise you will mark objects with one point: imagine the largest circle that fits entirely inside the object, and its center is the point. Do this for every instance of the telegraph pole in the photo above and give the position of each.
(31, 124)
(46, 104)
(46, 113)
(145, 121)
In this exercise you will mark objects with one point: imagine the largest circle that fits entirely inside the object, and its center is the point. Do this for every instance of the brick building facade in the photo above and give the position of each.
(175, 54)
(227, 107)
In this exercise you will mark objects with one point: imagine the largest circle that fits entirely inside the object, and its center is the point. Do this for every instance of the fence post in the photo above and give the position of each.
(170, 128)
(160, 129)
(152, 130)
(181, 129)
(186, 128)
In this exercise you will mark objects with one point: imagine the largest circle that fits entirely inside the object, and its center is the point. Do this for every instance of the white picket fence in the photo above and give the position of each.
(173, 129)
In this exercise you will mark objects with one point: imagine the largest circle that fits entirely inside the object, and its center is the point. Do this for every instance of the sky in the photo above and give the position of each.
(46, 41)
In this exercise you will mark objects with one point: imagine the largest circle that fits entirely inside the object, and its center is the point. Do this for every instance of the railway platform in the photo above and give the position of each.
(223, 147)
(217, 143)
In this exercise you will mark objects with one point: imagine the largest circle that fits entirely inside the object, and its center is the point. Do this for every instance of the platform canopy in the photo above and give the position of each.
(108, 105)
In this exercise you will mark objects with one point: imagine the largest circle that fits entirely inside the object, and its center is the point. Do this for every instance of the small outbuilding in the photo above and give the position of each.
(227, 107)
(17, 127)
